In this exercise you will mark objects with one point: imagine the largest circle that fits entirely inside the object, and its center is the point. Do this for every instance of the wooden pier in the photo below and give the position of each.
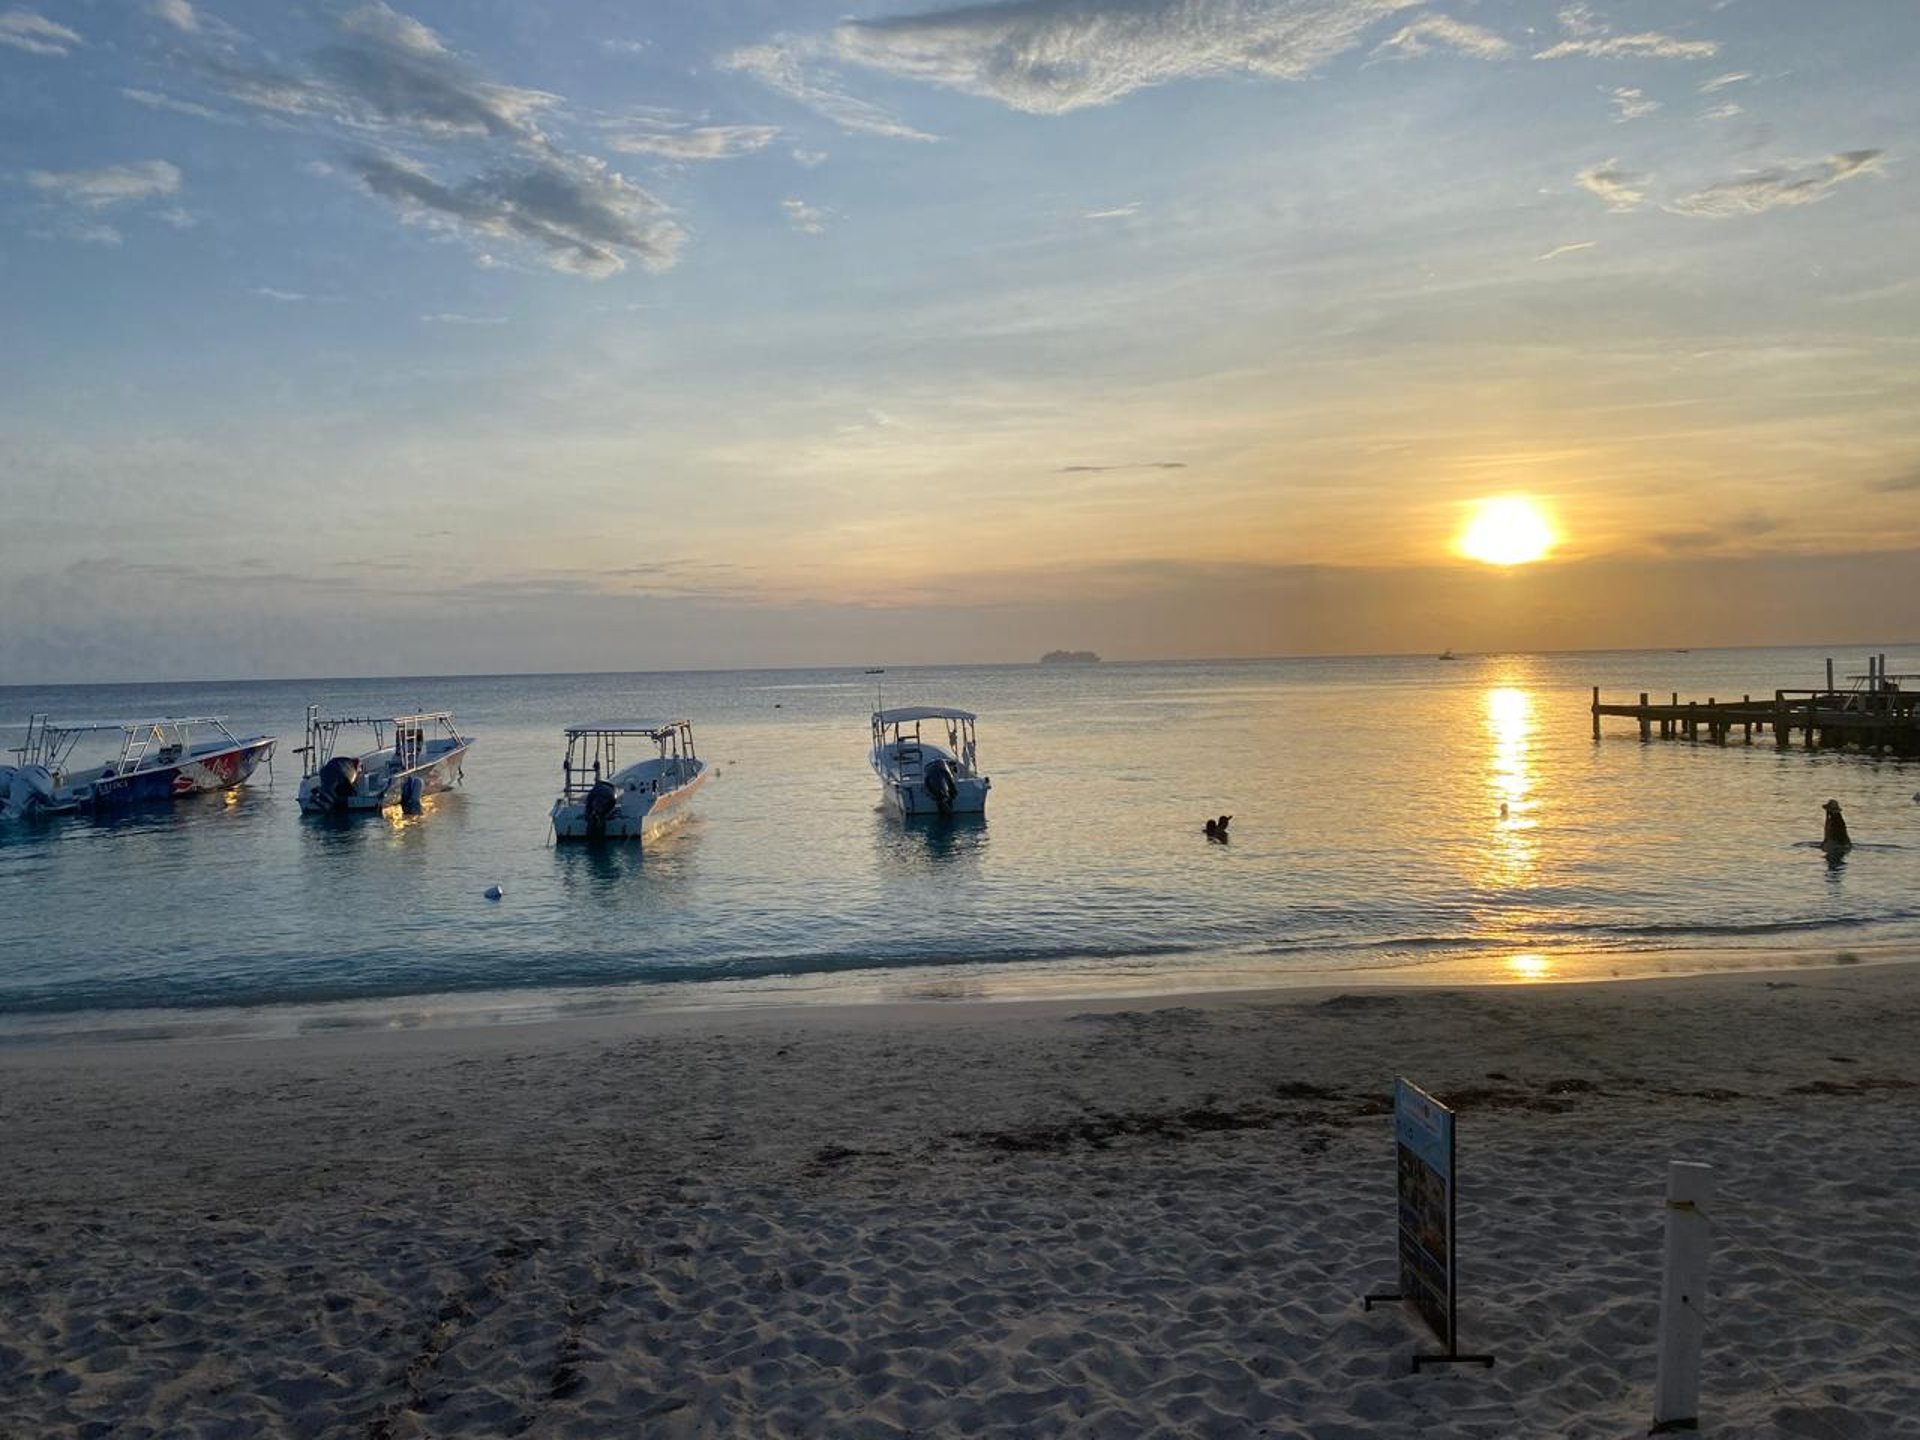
(1880, 712)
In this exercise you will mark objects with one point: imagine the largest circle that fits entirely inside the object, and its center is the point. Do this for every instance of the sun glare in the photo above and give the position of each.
(1508, 531)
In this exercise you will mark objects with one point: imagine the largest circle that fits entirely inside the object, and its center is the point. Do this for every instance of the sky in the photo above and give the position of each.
(446, 337)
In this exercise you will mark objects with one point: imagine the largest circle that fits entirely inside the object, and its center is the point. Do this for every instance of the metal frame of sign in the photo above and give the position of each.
(1420, 1117)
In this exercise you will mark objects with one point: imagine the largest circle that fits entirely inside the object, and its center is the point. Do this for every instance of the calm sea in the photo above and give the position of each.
(1367, 835)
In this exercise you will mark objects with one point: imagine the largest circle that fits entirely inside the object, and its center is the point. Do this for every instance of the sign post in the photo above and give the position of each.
(1423, 1144)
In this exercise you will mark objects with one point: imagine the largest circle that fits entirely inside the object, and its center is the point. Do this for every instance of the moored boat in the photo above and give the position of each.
(157, 760)
(918, 774)
(603, 799)
(413, 756)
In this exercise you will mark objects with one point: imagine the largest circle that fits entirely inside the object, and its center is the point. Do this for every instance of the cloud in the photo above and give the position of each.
(788, 67)
(1621, 189)
(387, 69)
(622, 47)
(109, 186)
(810, 158)
(154, 100)
(1118, 212)
(1727, 111)
(1631, 105)
(585, 218)
(1901, 484)
(1769, 189)
(177, 13)
(1124, 465)
(702, 142)
(1720, 82)
(1048, 57)
(1420, 36)
(449, 317)
(805, 218)
(279, 297)
(1557, 251)
(1586, 35)
(37, 35)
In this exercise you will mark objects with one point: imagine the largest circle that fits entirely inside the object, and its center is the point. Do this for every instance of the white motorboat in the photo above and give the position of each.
(602, 798)
(413, 756)
(918, 774)
(157, 760)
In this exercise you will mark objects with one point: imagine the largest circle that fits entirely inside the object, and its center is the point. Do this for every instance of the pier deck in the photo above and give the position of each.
(1881, 712)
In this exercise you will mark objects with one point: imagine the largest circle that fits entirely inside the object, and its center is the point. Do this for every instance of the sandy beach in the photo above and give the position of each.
(1105, 1218)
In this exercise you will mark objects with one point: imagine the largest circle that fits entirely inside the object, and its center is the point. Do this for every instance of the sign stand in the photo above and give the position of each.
(1423, 1132)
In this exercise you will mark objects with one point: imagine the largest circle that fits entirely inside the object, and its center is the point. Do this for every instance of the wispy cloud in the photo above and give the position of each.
(1901, 484)
(1557, 251)
(154, 100)
(584, 218)
(177, 13)
(1586, 35)
(1629, 104)
(1048, 57)
(792, 67)
(1621, 188)
(1728, 111)
(280, 297)
(622, 47)
(1118, 212)
(1721, 82)
(37, 35)
(695, 142)
(1123, 465)
(452, 317)
(385, 69)
(1769, 189)
(1420, 36)
(110, 185)
(810, 159)
(805, 218)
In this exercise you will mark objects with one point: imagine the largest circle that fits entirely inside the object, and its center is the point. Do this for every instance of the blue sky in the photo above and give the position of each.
(358, 338)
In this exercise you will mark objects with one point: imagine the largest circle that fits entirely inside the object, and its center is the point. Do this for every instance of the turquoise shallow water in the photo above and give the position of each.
(1367, 833)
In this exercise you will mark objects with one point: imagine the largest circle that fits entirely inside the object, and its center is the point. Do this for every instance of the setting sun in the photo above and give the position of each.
(1509, 531)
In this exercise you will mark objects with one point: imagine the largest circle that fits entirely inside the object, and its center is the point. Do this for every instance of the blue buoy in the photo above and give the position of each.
(494, 892)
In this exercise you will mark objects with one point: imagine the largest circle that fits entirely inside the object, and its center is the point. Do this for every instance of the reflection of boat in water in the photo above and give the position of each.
(600, 799)
(920, 776)
(158, 760)
(413, 756)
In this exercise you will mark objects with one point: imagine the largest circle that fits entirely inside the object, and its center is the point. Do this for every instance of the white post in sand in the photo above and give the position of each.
(1683, 1299)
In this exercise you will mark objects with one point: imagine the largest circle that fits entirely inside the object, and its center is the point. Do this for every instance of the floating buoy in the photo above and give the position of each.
(493, 892)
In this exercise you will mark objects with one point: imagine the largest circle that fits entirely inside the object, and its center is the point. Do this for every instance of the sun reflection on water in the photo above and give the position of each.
(1510, 775)
(1530, 967)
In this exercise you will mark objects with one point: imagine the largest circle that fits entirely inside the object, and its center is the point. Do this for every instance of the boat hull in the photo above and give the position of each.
(639, 816)
(386, 788)
(911, 800)
(223, 768)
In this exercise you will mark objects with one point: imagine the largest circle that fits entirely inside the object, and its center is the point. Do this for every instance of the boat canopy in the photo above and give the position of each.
(621, 727)
(908, 714)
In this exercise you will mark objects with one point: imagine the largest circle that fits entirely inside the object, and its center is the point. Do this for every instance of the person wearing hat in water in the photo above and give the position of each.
(1834, 836)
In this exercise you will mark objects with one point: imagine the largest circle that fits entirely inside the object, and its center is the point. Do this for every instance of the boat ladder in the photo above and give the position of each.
(134, 752)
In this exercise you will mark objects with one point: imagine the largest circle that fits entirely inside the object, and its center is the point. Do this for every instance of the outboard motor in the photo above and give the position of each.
(411, 791)
(30, 788)
(602, 800)
(941, 784)
(335, 783)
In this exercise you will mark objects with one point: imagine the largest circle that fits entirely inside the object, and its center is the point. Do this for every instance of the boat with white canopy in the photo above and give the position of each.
(926, 758)
(413, 756)
(156, 760)
(605, 795)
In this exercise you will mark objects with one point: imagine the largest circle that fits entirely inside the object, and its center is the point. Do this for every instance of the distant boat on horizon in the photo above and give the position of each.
(1069, 657)
(1446, 655)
